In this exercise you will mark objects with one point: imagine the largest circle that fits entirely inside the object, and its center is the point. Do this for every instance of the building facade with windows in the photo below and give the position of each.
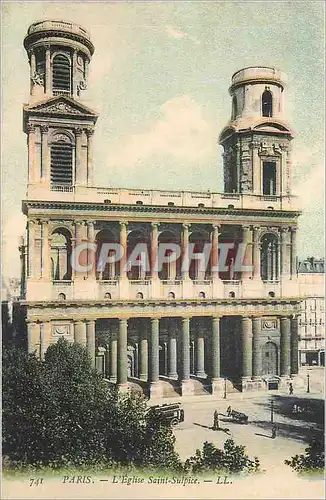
(175, 329)
(311, 275)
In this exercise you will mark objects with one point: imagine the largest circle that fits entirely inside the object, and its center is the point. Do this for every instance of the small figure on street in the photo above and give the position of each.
(216, 425)
(290, 388)
(274, 429)
(229, 411)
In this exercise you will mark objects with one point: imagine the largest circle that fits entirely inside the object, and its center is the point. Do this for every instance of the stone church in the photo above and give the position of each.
(175, 330)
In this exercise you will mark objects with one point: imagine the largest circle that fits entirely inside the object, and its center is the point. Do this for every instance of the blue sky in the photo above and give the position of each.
(159, 79)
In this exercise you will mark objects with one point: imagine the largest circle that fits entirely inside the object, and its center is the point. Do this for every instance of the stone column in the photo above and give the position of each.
(90, 340)
(46, 259)
(123, 243)
(48, 75)
(143, 365)
(32, 69)
(185, 252)
(284, 268)
(113, 360)
(155, 386)
(90, 134)
(107, 356)
(31, 154)
(171, 267)
(285, 359)
(74, 82)
(154, 248)
(45, 337)
(248, 252)
(294, 345)
(80, 336)
(293, 252)
(80, 178)
(33, 338)
(31, 229)
(256, 255)
(91, 253)
(214, 260)
(216, 354)
(82, 256)
(37, 250)
(246, 347)
(200, 354)
(256, 354)
(45, 159)
(172, 353)
(185, 349)
(122, 375)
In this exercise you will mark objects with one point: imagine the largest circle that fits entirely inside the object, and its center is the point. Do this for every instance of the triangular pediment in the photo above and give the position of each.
(60, 105)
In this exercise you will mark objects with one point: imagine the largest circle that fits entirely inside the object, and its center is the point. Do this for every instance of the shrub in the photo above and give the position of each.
(312, 462)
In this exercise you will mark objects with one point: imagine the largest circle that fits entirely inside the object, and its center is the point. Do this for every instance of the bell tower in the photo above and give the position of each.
(256, 141)
(59, 127)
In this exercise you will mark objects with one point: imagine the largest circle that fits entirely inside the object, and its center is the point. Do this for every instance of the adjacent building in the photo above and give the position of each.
(312, 317)
(177, 329)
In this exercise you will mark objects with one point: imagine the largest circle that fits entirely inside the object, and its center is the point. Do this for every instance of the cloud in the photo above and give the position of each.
(178, 34)
(181, 132)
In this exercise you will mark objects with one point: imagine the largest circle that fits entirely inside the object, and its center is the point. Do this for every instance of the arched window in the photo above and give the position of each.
(271, 294)
(267, 103)
(234, 107)
(171, 295)
(107, 295)
(61, 75)
(62, 152)
(231, 295)
(139, 295)
(62, 296)
(202, 295)
(60, 256)
(269, 257)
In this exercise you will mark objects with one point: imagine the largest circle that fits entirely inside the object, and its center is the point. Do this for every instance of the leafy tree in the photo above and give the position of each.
(60, 412)
(312, 462)
(231, 460)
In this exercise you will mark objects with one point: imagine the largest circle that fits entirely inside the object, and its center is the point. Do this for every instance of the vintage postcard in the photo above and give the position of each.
(163, 314)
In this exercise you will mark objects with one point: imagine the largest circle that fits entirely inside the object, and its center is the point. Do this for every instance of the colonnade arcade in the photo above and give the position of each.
(152, 349)
(270, 250)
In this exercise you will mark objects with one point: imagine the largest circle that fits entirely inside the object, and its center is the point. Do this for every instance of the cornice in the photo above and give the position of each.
(102, 207)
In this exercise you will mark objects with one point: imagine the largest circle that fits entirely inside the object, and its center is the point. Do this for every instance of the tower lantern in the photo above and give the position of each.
(256, 141)
(59, 54)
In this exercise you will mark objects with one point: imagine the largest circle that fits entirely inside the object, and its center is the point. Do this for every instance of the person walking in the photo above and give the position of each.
(229, 411)
(290, 388)
(216, 425)
(274, 429)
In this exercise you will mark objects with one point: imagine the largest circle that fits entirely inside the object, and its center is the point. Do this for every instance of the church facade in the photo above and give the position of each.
(169, 329)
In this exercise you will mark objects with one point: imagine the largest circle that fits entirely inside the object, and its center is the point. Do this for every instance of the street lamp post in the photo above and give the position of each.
(272, 411)
(308, 382)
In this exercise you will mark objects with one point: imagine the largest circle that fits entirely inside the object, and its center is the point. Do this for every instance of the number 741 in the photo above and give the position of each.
(35, 481)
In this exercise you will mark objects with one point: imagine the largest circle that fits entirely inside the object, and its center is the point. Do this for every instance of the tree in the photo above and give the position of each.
(231, 460)
(60, 412)
(312, 462)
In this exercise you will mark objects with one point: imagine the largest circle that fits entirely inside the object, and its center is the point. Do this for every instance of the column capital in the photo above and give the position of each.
(90, 223)
(216, 318)
(44, 129)
(79, 222)
(123, 224)
(186, 225)
(31, 127)
(89, 132)
(154, 320)
(78, 131)
(216, 226)
(155, 225)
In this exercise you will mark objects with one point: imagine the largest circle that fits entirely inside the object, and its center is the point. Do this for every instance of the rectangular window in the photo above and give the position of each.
(269, 178)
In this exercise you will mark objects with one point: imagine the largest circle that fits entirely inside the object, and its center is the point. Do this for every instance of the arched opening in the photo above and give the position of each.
(269, 257)
(271, 294)
(267, 103)
(107, 295)
(61, 75)
(269, 359)
(138, 254)
(202, 295)
(231, 295)
(61, 256)
(62, 153)
(201, 205)
(170, 267)
(139, 295)
(234, 107)
(171, 204)
(198, 265)
(104, 242)
(171, 295)
(61, 296)
(269, 178)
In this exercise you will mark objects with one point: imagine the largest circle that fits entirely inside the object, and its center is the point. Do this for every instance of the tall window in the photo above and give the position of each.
(269, 178)
(267, 103)
(269, 258)
(60, 256)
(61, 74)
(234, 107)
(61, 161)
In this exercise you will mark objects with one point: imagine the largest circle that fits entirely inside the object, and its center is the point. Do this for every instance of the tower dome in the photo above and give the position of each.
(59, 54)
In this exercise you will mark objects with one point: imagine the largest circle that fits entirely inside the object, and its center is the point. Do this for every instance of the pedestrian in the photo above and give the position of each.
(229, 411)
(216, 423)
(290, 388)
(274, 429)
